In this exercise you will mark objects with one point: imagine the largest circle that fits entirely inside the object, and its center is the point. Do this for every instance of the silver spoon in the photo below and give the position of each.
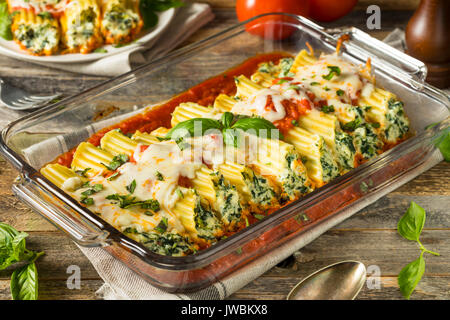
(339, 281)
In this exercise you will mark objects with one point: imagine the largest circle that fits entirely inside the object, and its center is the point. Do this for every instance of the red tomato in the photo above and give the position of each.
(270, 27)
(329, 10)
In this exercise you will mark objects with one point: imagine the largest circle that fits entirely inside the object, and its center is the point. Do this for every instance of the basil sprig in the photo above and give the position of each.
(24, 280)
(149, 9)
(443, 143)
(230, 125)
(410, 227)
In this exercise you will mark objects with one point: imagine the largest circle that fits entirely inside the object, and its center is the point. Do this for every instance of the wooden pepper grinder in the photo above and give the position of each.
(428, 39)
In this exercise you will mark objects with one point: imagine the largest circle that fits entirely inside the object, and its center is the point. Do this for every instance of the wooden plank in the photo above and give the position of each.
(384, 248)
(57, 290)
(430, 287)
(387, 211)
(274, 288)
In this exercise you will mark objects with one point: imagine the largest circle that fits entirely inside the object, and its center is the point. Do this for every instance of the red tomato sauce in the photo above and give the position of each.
(204, 94)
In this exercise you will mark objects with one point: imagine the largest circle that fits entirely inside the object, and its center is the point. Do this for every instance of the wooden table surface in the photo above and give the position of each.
(369, 236)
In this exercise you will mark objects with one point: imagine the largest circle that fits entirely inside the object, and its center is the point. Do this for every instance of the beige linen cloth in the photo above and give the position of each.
(187, 20)
(123, 283)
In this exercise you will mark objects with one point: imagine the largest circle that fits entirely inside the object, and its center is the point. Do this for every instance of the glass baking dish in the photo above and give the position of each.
(163, 78)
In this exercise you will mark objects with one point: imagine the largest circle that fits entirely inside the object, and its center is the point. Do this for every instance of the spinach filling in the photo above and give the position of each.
(228, 200)
(330, 169)
(206, 223)
(119, 20)
(285, 65)
(397, 125)
(267, 67)
(80, 30)
(345, 150)
(37, 38)
(167, 243)
(259, 188)
(280, 70)
(294, 182)
(367, 141)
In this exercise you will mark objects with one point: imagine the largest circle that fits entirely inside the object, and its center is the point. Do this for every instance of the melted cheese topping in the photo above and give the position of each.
(258, 104)
(349, 81)
(156, 172)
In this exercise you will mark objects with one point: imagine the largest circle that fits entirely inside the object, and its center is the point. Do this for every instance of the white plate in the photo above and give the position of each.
(12, 49)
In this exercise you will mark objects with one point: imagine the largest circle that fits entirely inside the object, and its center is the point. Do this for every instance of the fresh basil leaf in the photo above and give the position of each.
(163, 5)
(227, 119)
(443, 143)
(148, 14)
(12, 245)
(24, 283)
(340, 92)
(148, 9)
(411, 224)
(409, 276)
(5, 22)
(188, 128)
(231, 137)
(259, 126)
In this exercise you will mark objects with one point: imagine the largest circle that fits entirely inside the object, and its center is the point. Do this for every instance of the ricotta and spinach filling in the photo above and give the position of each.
(294, 180)
(208, 226)
(81, 30)
(345, 150)
(282, 69)
(396, 122)
(119, 21)
(227, 200)
(330, 169)
(38, 38)
(164, 242)
(367, 142)
(261, 192)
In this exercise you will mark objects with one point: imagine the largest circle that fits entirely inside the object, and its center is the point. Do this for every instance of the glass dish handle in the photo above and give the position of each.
(384, 56)
(63, 217)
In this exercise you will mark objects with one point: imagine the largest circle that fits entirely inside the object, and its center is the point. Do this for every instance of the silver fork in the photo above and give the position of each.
(18, 99)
